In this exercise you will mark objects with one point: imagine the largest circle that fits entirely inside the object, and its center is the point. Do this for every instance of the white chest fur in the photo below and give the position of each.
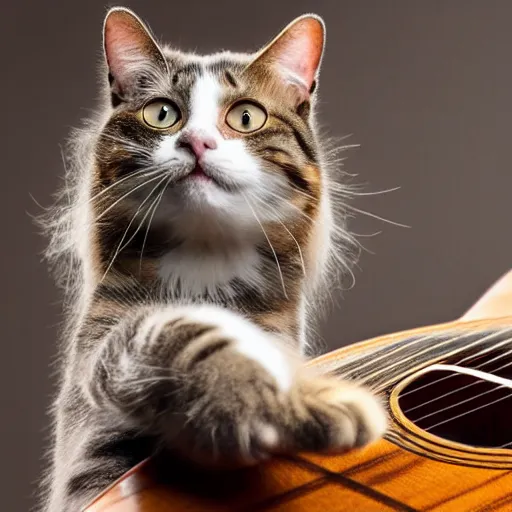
(198, 272)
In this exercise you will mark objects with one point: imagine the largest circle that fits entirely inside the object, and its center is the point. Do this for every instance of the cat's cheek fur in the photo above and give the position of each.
(233, 159)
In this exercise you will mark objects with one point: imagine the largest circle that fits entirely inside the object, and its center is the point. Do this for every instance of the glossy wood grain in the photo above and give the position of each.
(397, 473)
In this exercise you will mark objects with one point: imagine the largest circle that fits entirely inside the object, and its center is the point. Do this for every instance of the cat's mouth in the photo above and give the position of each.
(208, 175)
(198, 173)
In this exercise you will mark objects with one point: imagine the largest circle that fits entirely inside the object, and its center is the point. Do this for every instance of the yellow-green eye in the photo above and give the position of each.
(161, 114)
(246, 117)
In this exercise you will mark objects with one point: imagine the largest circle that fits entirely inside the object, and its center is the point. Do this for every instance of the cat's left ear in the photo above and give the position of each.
(296, 53)
(130, 50)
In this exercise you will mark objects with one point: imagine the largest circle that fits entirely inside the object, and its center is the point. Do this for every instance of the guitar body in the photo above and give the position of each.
(448, 390)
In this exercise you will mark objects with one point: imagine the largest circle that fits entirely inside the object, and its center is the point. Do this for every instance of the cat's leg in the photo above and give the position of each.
(208, 383)
(92, 452)
(223, 391)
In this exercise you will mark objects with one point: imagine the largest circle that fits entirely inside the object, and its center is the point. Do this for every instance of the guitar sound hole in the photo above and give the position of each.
(466, 409)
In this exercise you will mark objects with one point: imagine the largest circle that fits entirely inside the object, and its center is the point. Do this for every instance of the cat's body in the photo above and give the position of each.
(202, 227)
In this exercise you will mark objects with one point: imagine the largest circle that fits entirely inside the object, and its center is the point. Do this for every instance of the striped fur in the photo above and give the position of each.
(188, 298)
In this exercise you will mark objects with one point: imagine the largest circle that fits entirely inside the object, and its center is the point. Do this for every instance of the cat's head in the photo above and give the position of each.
(231, 133)
(215, 149)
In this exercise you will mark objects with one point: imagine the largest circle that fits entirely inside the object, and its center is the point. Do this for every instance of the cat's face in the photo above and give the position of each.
(201, 143)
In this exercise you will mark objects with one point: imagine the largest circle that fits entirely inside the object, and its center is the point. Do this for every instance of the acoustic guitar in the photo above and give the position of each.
(448, 390)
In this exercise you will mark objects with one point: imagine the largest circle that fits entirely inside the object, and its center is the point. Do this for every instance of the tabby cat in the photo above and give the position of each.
(194, 234)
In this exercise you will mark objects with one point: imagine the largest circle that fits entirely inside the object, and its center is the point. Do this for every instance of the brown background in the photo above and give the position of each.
(424, 86)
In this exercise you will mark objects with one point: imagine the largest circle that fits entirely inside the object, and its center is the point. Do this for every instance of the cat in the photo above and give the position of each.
(194, 235)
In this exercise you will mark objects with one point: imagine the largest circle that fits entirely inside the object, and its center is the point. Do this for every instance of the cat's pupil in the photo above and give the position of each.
(246, 118)
(163, 113)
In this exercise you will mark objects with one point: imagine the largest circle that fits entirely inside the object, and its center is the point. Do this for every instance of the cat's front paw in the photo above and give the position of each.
(330, 416)
(247, 398)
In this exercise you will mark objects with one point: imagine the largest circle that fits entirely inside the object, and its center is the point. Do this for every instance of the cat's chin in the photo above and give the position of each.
(198, 197)
(205, 180)
(199, 189)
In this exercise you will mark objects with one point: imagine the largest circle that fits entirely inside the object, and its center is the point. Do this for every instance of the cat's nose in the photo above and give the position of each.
(197, 142)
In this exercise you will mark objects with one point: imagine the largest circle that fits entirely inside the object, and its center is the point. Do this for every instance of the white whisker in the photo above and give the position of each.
(142, 173)
(368, 214)
(290, 233)
(120, 246)
(347, 193)
(156, 203)
(270, 245)
(124, 196)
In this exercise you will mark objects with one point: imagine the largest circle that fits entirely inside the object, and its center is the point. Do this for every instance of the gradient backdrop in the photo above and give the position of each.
(425, 88)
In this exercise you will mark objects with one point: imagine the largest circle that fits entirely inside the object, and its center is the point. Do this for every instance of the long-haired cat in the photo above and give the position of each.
(198, 232)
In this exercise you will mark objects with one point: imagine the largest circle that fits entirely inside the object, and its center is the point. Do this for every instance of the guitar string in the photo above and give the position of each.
(480, 366)
(433, 348)
(469, 412)
(467, 358)
(485, 363)
(453, 352)
(396, 350)
(399, 349)
(471, 356)
(448, 407)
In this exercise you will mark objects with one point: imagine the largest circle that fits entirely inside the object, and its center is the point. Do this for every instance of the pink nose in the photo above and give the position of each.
(197, 142)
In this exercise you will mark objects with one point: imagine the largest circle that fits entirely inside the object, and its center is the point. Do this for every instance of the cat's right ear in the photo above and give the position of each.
(130, 50)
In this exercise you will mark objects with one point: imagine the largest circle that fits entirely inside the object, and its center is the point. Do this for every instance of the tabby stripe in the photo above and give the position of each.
(208, 350)
(190, 69)
(95, 479)
(292, 173)
(122, 445)
(230, 79)
(269, 132)
(308, 149)
(182, 335)
(276, 149)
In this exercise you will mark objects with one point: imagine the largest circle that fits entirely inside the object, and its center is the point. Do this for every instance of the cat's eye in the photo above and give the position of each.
(161, 114)
(246, 117)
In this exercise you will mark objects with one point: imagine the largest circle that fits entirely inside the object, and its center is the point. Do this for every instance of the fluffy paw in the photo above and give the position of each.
(330, 416)
(245, 398)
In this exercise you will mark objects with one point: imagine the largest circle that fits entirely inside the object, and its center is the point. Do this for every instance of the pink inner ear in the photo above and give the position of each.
(126, 41)
(299, 50)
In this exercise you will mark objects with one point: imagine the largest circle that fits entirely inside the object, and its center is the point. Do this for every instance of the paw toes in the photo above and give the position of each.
(267, 436)
(367, 413)
(340, 416)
